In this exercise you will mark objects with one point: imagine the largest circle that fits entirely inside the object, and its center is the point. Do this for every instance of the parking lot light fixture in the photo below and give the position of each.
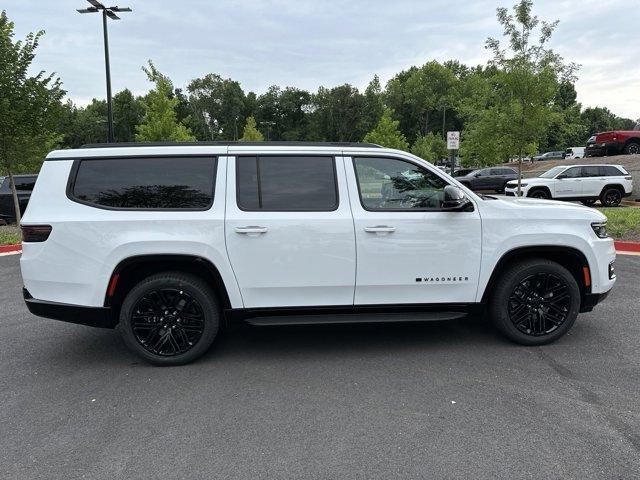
(111, 13)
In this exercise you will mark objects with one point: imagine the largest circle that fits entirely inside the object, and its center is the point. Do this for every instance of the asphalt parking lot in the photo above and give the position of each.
(436, 400)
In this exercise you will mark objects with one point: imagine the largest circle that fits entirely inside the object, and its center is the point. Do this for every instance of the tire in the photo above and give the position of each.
(611, 197)
(632, 148)
(588, 203)
(535, 320)
(179, 321)
(539, 193)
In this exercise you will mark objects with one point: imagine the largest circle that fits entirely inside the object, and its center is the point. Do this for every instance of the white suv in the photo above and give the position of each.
(586, 183)
(169, 243)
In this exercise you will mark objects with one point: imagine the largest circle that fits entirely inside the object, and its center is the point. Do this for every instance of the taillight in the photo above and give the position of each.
(35, 233)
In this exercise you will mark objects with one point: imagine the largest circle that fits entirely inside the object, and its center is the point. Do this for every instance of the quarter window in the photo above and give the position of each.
(171, 183)
(287, 183)
(610, 171)
(392, 184)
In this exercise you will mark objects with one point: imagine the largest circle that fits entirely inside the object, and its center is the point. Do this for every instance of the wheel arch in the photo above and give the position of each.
(132, 270)
(540, 187)
(569, 257)
(617, 186)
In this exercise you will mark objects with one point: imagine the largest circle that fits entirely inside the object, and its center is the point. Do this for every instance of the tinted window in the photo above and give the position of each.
(25, 183)
(591, 172)
(610, 171)
(291, 183)
(573, 172)
(141, 183)
(391, 184)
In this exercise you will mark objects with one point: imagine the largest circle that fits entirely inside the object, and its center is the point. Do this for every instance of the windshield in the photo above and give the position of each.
(553, 172)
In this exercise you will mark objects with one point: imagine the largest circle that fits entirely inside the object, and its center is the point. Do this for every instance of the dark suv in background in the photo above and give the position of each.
(24, 186)
(493, 178)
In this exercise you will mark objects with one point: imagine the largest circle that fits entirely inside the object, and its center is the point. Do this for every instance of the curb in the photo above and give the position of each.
(11, 248)
(627, 246)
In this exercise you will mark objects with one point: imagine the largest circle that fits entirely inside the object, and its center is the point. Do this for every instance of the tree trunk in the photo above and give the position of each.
(519, 172)
(14, 194)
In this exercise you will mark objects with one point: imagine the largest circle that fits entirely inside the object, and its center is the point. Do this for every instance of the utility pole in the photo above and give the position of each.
(106, 12)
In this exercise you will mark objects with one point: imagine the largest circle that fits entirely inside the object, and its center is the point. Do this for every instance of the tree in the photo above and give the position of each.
(128, 112)
(524, 86)
(430, 147)
(251, 133)
(373, 104)
(336, 114)
(386, 133)
(160, 122)
(30, 106)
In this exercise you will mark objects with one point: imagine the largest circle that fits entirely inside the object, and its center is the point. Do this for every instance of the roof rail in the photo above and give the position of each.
(231, 143)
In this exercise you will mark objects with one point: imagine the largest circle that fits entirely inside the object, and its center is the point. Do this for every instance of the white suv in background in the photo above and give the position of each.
(586, 183)
(169, 243)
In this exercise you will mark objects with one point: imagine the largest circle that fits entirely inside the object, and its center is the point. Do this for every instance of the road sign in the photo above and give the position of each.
(453, 140)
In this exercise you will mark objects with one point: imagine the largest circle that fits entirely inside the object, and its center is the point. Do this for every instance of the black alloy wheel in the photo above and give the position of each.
(611, 197)
(534, 302)
(540, 193)
(539, 304)
(632, 148)
(167, 321)
(171, 318)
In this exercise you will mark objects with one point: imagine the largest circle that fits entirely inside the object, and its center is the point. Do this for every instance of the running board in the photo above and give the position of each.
(316, 319)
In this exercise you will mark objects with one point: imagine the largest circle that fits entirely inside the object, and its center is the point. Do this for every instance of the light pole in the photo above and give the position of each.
(106, 12)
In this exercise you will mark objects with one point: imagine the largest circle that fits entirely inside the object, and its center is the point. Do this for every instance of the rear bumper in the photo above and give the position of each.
(100, 317)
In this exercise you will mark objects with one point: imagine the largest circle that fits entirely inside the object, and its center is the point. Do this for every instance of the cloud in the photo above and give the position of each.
(307, 43)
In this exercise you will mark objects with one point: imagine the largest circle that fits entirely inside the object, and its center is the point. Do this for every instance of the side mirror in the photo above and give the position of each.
(454, 198)
(561, 176)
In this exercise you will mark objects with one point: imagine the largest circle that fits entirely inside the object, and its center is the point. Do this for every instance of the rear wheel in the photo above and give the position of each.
(539, 193)
(170, 318)
(611, 197)
(632, 148)
(535, 302)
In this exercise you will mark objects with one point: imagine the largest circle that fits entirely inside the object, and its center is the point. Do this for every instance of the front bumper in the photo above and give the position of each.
(100, 317)
(590, 300)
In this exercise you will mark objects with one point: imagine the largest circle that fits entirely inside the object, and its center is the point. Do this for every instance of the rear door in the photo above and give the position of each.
(592, 180)
(410, 251)
(289, 230)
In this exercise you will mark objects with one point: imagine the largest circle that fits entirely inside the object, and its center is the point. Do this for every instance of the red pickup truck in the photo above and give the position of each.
(612, 143)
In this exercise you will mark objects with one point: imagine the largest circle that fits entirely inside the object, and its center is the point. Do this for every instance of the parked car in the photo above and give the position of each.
(494, 178)
(586, 183)
(574, 153)
(172, 242)
(614, 142)
(24, 186)
(461, 172)
(548, 156)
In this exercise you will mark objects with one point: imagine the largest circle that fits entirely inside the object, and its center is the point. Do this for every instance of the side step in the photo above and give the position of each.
(316, 319)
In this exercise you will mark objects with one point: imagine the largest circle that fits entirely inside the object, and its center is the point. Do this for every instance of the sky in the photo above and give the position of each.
(307, 43)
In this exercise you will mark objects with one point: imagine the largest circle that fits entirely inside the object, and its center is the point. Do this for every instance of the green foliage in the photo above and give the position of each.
(283, 112)
(336, 114)
(622, 221)
(8, 236)
(30, 105)
(386, 133)
(251, 133)
(430, 147)
(128, 112)
(160, 122)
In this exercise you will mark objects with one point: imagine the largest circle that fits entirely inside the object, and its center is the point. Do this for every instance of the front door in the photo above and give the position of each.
(410, 251)
(289, 230)
(570, 183)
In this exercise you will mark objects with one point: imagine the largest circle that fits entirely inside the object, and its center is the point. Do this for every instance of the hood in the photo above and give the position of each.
(549, 209)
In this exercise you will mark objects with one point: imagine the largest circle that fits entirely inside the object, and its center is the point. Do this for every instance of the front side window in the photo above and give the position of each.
(392, 184)
(552, 172)
(573, 172)
(146, 183)
(286, 183)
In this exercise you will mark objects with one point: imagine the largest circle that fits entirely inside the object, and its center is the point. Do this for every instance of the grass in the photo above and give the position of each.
(623, 222)
(9, 237)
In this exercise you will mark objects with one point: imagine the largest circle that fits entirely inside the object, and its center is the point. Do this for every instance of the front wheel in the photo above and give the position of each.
(611, 197)
(540, 193)
(535, 302)
(170, 318)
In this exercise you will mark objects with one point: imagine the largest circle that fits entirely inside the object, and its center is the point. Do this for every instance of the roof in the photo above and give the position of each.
(231, 143)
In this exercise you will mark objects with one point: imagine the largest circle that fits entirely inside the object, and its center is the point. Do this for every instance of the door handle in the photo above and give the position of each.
(380, 229)
(251, 230)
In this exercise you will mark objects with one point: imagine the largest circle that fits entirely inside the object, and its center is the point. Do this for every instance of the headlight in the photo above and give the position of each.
(515, 185)
(600, 229)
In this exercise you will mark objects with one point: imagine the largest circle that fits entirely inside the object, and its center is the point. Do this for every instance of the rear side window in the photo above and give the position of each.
(610, 171)
(170, 183)
(591, 171)
(286, 183)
